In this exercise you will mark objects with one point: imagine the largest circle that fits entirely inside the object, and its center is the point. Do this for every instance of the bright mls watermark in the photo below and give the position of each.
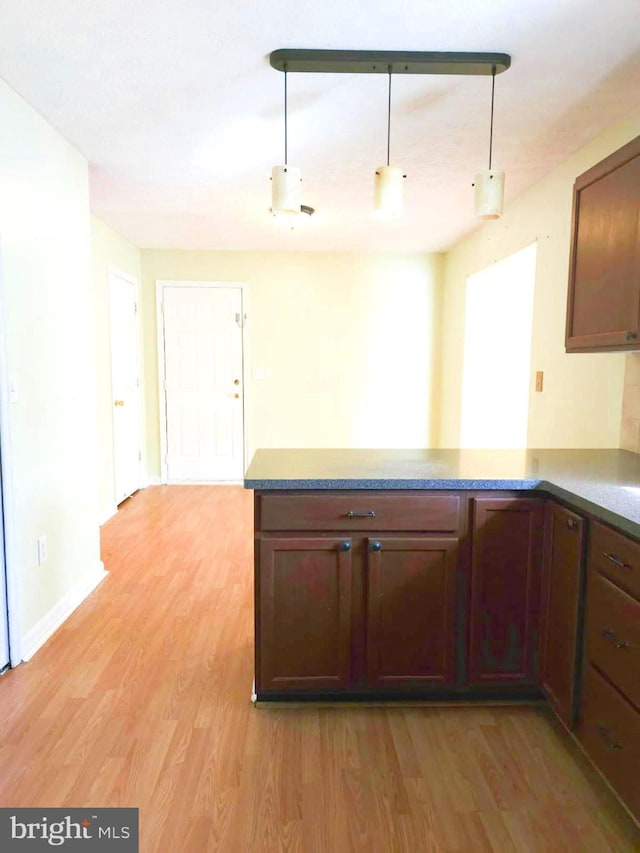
(80, 830)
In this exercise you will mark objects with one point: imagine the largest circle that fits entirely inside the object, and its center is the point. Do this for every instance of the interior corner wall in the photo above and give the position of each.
(351, 342)
(108, 250)
(50, 323)
(581, 404)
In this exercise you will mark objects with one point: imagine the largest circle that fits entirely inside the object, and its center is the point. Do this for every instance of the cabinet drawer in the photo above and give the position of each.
(615, 556)
(610, 732)
(613, 635)
(360, 511)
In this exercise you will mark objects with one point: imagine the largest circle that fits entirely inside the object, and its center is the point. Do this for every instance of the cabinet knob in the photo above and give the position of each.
(632, 336)
(376, 546)
(572, 524)
(606, 735)
(610, 634)
(345, 546)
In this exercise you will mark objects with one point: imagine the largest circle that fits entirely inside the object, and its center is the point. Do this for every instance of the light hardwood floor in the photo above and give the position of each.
(142, 699)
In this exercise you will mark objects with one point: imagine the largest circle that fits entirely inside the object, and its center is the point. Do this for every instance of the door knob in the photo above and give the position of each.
(118, 402)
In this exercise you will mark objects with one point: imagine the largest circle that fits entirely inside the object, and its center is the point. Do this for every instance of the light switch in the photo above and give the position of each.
(539, 374)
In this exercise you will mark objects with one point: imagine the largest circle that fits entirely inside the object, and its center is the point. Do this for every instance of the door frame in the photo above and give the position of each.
(112, 272)
(7, 508)
(162, 404)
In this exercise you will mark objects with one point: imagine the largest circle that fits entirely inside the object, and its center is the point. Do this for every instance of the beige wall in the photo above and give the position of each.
(351, 340)
(581, 405)
(630, 430)
(108, 250)
(45, 234)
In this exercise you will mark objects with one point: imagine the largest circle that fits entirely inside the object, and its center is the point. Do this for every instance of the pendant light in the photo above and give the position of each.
(285, 180)
(387, 188)
(489, 184)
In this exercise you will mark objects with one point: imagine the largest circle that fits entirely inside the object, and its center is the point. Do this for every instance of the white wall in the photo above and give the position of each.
(109, 249)
(581, 404)
(351, 341)
(45, 235)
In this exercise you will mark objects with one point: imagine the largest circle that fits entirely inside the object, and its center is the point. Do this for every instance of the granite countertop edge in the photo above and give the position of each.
(389, 483)
(576, 500)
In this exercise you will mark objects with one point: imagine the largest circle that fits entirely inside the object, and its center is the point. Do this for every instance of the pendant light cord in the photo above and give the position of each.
(285, 115)
(389, 119)
(493, 89)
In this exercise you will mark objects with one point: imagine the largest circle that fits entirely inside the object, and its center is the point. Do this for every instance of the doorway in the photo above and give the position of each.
(125, 384)
(4, 609)
(10, 639)
(497, 353)
(201, 367)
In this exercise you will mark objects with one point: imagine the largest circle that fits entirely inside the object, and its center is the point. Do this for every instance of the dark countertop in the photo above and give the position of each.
(605, 483)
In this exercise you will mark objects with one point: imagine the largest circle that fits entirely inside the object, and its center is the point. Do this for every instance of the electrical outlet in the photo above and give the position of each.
(42, 550)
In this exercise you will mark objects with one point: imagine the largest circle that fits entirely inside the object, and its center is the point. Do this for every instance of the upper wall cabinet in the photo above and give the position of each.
(603, 310)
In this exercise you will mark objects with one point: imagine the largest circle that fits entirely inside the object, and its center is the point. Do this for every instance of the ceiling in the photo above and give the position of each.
(180, 115)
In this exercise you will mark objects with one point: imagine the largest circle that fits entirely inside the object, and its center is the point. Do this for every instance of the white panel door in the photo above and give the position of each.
(125, 386)
(203, 383)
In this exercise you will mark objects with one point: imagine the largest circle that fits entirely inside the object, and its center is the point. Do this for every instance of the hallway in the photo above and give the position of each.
(142, 699)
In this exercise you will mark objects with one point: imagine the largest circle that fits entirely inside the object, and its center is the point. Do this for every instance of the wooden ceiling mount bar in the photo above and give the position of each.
(385, 61)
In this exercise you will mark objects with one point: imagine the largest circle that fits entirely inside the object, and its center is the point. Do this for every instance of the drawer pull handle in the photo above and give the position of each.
(609, 634)
(617, 561)
(611, 743)
(352, 514)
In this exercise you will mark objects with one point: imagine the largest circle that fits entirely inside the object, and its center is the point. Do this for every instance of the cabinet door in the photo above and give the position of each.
(505, 576)
(603, 310)
(304, 607)
(562, 575)
(411, 607)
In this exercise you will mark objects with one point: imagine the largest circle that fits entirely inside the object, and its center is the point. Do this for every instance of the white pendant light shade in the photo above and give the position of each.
(387, 192)
(285, 191)
(489, 194)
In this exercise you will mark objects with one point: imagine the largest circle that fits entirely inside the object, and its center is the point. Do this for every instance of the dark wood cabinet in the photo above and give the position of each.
(609, 718)
(561, 598)
(603, 308)
(609, 730)
(355, 592)
(505, 576)
(304, 615)
(411, 611)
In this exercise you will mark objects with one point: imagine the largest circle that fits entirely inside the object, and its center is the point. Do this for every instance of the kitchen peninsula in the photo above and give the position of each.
(455, 575)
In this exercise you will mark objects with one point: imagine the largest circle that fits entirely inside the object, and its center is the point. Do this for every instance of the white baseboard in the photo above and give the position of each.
(51, 621)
